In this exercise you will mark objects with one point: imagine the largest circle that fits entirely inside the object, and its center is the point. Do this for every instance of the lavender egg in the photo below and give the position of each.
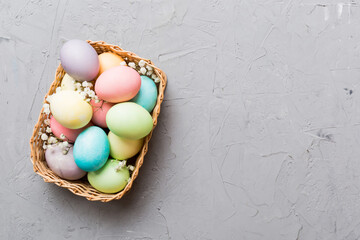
(61, 164)
(80, 60)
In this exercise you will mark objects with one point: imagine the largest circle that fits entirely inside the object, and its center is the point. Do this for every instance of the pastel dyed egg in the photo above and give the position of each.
(69, 109)
(91, 149)
(123, 148)
(80, 60)
(147, 94)
(61, 164)
(129, 120)
(118, 84)
(100, 110)
(110, 178)
(108, 60)
(68, 83)
(70, 134)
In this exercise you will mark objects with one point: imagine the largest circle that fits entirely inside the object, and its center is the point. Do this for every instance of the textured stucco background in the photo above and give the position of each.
(258, 136)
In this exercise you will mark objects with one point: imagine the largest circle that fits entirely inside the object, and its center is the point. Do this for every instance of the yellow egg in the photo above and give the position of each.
(122, 148)
(69, 109)
(68, 83)
(108, 60)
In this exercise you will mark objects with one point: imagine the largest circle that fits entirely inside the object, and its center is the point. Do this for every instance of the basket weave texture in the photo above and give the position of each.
(82, 187)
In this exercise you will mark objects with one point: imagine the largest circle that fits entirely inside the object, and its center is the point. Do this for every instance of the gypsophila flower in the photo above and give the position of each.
(123, 63)
(64, 152)
(48, 130)
(58, 89)
(87, 89)
(46, 106)
(52, 140)
(45, 146)
(143, 70)
(142, 63)
(85, 84)
(149, 73)
(78, 86)
(88, 100)
(44, 137)
(149, 67)
(83, 94)
(131, 167)
(62, 136)
(91, 94)
(132, 65)
(97, 100)
(39, 133)
(153, 76)
(47, 121)
(157, 80)
(65, 144)
(47, 111)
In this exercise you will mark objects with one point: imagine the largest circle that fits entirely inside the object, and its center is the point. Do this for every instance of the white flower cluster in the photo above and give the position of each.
(49, 139)
(144, 69)
(85, 89)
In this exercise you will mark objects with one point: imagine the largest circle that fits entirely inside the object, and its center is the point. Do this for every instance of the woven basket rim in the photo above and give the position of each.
(80, 187)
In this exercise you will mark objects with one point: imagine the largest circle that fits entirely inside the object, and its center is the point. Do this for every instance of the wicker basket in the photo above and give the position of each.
(82, 187)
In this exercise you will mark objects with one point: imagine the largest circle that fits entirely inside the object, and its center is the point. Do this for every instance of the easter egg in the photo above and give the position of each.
(68, 83)
(118, 84)
(100, 110)
(70, 134)
(129, 120)
(69, 109)
(91, 149)
(62, 164)
(108, 60)
(123, 148)
(80, 60)
(110, 178)
(147, 94)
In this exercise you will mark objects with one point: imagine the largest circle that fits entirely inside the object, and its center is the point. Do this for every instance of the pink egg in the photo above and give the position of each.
(70, 134)
(118, 84)
(100, 110)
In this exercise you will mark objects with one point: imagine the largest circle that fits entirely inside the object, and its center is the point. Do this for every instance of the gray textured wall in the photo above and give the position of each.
(259, 133)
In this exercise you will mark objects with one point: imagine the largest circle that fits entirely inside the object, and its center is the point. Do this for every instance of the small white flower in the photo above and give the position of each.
(62, 136)
(40, 133)
(91, 94)
(97, 100)
(153, 76)
(88, 100)
(78, 86)
(142, 63)
(131, 167)
(85, 84)
(58, 89)
(64, 152)
(157, 80)
(87, 89)
(46, 106)
(149, 67)
(123, 63)
(48, 130)
(52, 140)
(132, 65)
(149, 73)
(44, 137)
(47, 121)
(47, 111)
(45, 146)
(143, 70)
(65, 144)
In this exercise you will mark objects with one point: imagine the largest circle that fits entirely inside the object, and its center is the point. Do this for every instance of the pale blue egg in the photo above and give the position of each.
(91, 149)
(147, 94)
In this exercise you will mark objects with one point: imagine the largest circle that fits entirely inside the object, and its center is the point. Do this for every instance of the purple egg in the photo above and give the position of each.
(61, 164)
(80, 60)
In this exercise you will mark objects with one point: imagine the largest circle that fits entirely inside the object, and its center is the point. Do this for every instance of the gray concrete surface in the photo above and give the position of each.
(259, 133)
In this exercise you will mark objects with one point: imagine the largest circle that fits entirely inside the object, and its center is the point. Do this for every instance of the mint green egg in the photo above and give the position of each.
(129, 120)
(147, 95)
(110, 178)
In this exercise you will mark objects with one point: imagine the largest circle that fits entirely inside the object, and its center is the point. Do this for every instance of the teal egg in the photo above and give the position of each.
(91, 149)
(147, 94)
